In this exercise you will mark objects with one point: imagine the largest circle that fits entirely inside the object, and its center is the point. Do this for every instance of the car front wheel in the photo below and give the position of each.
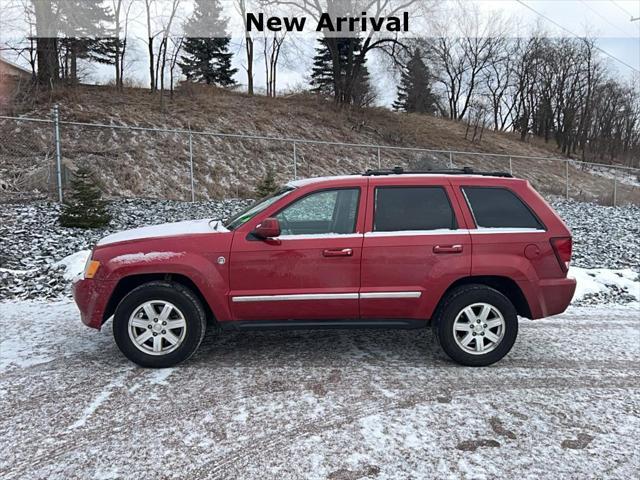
(159, 324)
(476, 325)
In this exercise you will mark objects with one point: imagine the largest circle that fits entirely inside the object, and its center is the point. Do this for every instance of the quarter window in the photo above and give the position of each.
(323, 212)
(496, 207)
(412, 208)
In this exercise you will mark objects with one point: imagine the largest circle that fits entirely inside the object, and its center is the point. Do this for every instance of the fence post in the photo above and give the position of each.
(56, 129)
(615, 187)
(510, 166)
(450, 159)
(295, 162)
(566, 178)
(193, 191)
(379, 162)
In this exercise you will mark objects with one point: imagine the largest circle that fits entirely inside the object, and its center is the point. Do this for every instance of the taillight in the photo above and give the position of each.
(562, 247)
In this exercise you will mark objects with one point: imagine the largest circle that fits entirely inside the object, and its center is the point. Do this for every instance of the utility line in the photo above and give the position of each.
(601, 50)
(603, 18)
(621, 8)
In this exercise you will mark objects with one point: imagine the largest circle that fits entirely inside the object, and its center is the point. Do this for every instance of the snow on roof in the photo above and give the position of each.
(14, 66)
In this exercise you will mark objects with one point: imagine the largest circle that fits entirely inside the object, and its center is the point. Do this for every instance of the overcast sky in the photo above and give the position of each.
(608, 20)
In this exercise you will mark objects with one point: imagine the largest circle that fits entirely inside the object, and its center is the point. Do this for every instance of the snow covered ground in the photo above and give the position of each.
(320, 404)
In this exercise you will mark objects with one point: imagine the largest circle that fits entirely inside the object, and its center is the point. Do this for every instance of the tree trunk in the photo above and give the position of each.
(249, 47)
(48, 67)
(163, 52)
(152, 78)
(74, 64)
(124, 50)
(46, 45)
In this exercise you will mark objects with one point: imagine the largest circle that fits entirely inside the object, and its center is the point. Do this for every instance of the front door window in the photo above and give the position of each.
(325, 212)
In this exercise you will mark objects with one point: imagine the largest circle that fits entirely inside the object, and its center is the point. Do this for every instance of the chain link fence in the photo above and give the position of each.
(38, 156)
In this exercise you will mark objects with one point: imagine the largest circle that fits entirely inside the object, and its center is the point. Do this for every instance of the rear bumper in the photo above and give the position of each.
(92, 296)
(554, 296)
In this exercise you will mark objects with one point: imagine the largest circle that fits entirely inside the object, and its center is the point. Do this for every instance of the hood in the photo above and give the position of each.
(189, 227)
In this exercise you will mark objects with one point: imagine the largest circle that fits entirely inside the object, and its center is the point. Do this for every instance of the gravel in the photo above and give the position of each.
(602, 236)
(31, 241)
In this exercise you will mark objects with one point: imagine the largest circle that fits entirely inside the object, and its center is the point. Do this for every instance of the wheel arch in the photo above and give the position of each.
(128, 283)
(505, 285)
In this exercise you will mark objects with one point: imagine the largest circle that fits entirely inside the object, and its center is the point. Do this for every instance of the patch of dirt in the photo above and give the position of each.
(582, 441)
(498, 428)
(370, 471)
(473, 445)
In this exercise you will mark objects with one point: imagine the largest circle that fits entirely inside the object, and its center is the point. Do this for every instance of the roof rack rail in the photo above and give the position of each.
(450, 171)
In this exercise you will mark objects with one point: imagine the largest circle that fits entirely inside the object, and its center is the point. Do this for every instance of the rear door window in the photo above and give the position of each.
(399, 209)
(495, 207)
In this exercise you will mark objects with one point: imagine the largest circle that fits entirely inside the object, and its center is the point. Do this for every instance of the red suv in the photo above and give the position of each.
(465, 252)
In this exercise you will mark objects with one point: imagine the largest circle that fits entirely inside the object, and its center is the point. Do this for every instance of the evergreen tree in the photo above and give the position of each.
(414, 91)
(84, 207)
(207, 60)
(84, 19)
(323, 79)
(267, 185)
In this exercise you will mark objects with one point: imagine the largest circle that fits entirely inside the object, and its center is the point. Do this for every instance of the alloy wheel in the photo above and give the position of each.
(479, 328)
(157, 327)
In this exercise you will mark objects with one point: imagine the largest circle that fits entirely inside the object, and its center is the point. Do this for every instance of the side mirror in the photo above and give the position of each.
(269, 228)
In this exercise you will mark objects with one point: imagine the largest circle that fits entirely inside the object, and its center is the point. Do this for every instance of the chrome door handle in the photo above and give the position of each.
(447, 249)
(342, 252)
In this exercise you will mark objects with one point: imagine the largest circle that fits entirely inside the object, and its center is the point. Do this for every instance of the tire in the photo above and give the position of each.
(140, 316)
(462, 308)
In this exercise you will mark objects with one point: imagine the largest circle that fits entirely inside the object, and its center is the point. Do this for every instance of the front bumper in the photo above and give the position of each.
(92, 298)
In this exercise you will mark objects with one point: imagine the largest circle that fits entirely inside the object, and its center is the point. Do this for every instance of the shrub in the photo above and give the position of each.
(84, 207)
(267, 185)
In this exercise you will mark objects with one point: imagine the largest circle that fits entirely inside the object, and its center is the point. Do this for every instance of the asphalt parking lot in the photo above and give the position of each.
(320, 404)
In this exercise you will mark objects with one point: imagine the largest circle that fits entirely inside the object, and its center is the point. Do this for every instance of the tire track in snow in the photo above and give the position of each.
(242, 454)
(66, 443)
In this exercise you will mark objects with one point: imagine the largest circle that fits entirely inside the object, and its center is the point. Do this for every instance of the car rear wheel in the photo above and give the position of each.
(476, 325)
(159, 324)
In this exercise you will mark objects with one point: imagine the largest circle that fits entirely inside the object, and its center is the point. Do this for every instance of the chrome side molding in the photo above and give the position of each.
(324, 296)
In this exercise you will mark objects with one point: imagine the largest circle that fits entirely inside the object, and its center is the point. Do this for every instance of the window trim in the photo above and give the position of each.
(320, 190)
(515, 194)
(455, 225)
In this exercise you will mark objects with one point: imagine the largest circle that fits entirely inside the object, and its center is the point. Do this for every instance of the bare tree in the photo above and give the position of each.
(121, 11)
(150, 37)
(463, 53)
(498, 80)
(162, 53)
(175, 52)
(241, 7)
(272, 45)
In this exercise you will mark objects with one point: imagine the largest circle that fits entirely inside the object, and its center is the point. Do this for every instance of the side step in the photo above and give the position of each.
(322, 324)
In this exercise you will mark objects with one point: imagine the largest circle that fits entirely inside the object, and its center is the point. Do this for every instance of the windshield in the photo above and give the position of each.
(245, 215)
